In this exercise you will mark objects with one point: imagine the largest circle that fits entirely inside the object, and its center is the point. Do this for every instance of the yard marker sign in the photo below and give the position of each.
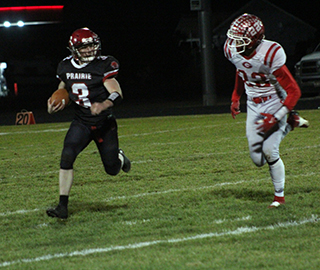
(25, 118)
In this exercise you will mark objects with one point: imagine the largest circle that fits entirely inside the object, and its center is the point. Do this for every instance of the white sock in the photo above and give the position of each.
(277, 172)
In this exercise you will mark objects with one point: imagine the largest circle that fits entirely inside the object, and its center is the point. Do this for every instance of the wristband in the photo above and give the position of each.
(281, 113)
(115, 97)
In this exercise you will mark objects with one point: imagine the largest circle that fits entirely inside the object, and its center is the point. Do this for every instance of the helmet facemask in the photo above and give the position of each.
(240, 43)
(87, 53)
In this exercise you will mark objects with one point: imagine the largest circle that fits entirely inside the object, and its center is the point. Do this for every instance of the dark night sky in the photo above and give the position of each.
(139, 33)
(125, 23)
(120, 21)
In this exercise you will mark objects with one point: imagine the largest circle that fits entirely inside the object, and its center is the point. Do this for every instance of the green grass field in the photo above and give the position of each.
(193, 199)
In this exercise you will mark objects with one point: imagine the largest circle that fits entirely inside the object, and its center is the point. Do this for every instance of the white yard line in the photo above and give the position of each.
(218, 221)
(120, 136)
(176, 190)
(199, 188)
(24, 211)
(200, 155)
(33, 131)
(18, 212)
(85, 252)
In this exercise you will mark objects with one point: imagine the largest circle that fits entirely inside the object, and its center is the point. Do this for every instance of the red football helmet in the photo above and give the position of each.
(245, 32)
(84, 45)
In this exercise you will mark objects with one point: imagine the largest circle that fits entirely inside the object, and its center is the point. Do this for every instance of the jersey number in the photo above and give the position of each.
(81, 90)
(260, 79)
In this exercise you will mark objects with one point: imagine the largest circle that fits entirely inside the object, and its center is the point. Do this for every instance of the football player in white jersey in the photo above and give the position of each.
(271, 91)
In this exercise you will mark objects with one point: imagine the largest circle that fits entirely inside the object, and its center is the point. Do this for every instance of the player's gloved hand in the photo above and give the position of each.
(268, 124)
(235, 108)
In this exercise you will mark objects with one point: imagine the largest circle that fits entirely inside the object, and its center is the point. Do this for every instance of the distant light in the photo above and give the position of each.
(20, 23)
(29, 8)
(6, 24)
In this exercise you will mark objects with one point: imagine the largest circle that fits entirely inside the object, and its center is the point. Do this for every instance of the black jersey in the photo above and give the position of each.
(85, 85)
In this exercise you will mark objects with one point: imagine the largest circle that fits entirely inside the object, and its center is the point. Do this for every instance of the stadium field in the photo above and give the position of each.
(192, 200)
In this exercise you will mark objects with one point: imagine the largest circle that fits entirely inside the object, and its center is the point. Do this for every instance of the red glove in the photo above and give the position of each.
(235, 108)
(267, 125)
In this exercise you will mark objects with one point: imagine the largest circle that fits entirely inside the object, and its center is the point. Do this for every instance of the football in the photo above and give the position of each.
(59, 95)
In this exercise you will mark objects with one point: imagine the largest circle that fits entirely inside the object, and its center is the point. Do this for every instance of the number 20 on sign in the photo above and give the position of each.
(25, 118)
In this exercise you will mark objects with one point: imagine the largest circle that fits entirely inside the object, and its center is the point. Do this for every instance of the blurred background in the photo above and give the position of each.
(157, 42)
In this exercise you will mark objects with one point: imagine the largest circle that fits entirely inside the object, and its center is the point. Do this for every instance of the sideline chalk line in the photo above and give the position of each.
(238, 231)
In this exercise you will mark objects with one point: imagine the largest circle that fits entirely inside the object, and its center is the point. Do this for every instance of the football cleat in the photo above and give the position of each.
(126, 162)
(277, 201)
(58, 212)
(294, 120)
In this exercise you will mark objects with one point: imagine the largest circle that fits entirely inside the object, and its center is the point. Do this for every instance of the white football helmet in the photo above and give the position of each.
(245, 32)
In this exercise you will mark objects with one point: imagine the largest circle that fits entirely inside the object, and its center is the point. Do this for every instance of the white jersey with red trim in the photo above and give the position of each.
(256, 70)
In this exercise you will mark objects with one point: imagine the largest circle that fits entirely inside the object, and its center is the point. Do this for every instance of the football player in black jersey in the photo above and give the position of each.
(90, 80)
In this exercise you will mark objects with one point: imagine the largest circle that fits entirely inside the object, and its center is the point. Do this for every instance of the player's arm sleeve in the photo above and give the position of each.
(238, 88)
(289, 84)
(59, 74)
(111, 68)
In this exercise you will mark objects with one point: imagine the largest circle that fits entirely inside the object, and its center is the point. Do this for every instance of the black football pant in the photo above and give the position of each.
(78, 138)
